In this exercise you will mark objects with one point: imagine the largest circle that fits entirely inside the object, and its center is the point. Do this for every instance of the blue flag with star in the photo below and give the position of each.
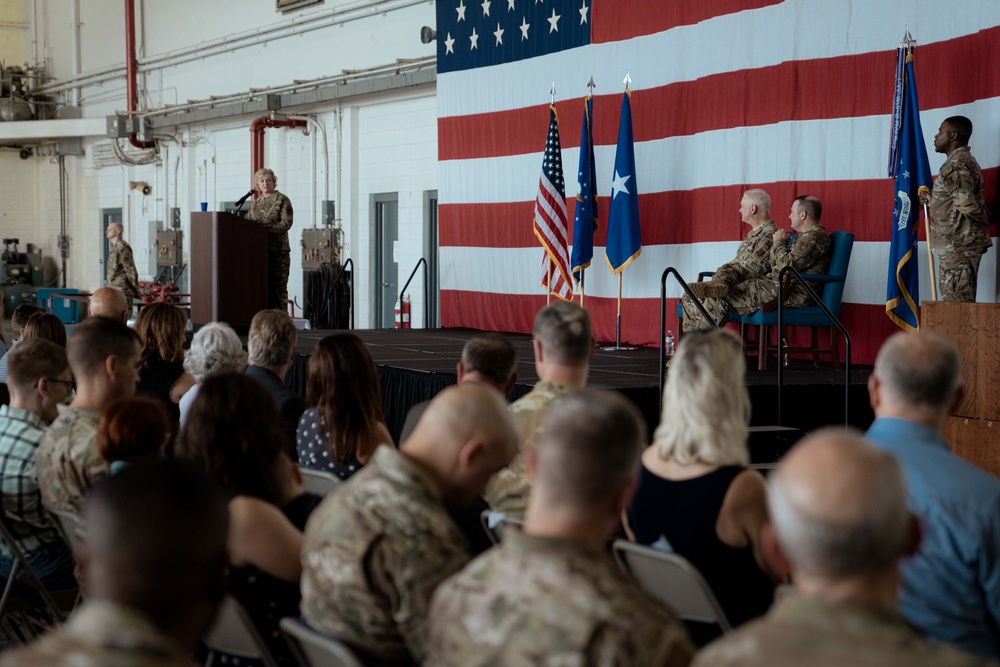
(586, 220)
(624, 235)
(912, 174)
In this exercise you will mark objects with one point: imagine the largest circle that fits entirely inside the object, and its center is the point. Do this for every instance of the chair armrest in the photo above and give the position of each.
(823, 278)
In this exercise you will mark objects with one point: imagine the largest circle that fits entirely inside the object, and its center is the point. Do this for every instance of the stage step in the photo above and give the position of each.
(768, 444)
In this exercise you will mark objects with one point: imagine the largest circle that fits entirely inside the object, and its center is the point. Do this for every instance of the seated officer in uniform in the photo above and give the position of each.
(552, 595)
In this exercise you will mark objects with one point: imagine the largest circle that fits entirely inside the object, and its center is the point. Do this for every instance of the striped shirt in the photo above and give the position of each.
(21, 432)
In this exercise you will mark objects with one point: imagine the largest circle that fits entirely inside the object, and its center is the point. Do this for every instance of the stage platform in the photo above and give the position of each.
(415, 364)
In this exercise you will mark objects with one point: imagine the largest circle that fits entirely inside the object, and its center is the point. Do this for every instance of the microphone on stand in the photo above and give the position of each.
(242, 201)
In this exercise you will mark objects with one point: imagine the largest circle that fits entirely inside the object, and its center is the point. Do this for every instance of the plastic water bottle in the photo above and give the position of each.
(668, 343)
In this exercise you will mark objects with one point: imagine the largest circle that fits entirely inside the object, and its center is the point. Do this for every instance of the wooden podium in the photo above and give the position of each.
(974, 427)
(228, 269)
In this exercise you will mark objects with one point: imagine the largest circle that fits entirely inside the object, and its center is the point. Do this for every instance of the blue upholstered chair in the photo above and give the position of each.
(832, 292)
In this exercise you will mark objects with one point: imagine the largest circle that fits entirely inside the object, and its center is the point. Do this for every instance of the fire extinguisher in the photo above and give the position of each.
(406, 311)
(399, 317)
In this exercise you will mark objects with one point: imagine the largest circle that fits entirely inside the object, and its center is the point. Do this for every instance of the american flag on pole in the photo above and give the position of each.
(550, 223)
(728, 96)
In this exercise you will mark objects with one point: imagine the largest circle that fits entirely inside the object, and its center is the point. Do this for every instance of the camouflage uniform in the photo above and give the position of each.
(99, 634)
(508, 490)
(814, 632)
(274, 213)
(68, 461)
(809, 253)
(546, 601)
(372, 555)
(121, 271)
(958, 224)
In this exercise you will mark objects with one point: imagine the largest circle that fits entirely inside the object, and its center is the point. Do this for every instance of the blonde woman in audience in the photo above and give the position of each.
(233, 432)
(215, 349)
(161, 327)
(696, 496)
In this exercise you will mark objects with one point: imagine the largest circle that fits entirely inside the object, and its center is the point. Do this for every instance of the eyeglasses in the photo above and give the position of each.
(70, 384)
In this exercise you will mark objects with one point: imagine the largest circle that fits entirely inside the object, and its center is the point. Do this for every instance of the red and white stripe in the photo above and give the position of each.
(794, 97)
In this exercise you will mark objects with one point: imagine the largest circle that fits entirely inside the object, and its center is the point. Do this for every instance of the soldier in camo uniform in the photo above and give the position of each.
(104, 357)
(375, 550)
(273, 211)
(753, 258)
(155, 573)
(809, 253)
(121, 271)
(840, 521)
(551, 595)
(563, 346)
(958, 215)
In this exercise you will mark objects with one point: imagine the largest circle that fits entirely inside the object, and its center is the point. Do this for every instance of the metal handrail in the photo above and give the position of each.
(833, 319)
(427, 300)
(663, 318)
(343, 270)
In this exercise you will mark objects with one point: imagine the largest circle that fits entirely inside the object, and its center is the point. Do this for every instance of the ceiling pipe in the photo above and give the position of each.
(131, 85)
(257, 129)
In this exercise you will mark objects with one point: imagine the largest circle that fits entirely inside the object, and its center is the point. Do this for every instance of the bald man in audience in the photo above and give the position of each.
(109, 302)
(104, 355)
(951, 588)
(563, 346)
(375, 550)
(552, 595)
(840, 523)
(155, 563)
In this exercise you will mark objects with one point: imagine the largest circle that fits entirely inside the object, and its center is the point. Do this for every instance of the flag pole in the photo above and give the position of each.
(548, 280)
(583, 285)
(618, 319)
(930, 255)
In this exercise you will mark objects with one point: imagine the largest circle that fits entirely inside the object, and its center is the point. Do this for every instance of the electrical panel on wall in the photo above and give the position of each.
(320, 245)
(168, 248)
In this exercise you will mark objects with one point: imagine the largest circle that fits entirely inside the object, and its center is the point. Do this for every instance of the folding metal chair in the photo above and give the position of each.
(314, 649)
(318, 481)
(235, 634)
(673, 581)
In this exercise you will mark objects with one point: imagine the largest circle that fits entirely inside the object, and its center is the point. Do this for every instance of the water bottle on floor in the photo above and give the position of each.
(668, 343)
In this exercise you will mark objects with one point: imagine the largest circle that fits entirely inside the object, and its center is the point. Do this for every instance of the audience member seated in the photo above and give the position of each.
(486, 357)
(161, 365)
(490, 359)
(47, 327)
(563, 347)
(133, 430)
(271, 347)
(39, 381)
(109, 302)
(233, 432)
(376, 549)
(104, 356)
(18, 319)
(841, 525)
(951, 587)
(4, 343)
(215, 349)
(343, 424)
(155, 558)
(696, 496)
(552, 590)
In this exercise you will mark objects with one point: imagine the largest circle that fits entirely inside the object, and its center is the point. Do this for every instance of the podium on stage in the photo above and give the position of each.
(973, 430)
(228, 269)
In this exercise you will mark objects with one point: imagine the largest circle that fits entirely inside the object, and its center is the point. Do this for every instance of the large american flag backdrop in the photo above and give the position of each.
(794, 97)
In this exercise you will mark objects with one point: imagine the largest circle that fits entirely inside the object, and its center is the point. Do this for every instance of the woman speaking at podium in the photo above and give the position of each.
(273, 211)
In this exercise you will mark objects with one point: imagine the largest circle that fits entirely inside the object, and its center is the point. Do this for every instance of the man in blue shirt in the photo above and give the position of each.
(951, 587)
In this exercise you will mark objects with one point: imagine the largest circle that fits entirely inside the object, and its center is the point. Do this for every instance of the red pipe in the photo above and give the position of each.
(257, 128)
(131, 84)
